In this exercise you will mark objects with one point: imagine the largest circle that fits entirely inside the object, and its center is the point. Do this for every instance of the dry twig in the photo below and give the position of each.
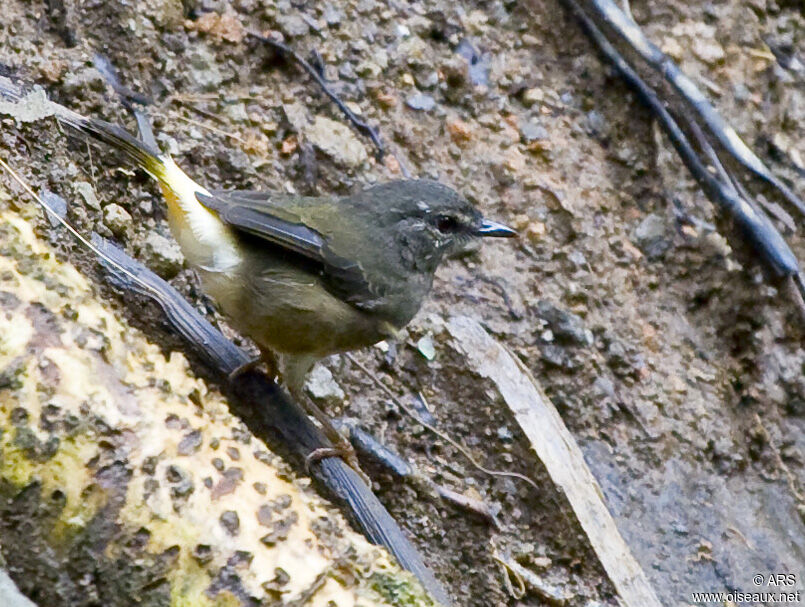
(630, 32)
(361, 125)
(410, 412)
(756, 227)
(559, 452)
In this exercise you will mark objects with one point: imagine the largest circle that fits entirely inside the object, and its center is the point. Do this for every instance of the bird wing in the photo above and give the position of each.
(272, 217)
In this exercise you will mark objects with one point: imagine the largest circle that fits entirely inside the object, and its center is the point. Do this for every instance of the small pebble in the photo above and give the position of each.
(162, 255)
(426, 347)
(87, 192)
(533, 131)
(230, 521)
(459, 131)
(321, 385)
(117, 219)
(421, 101)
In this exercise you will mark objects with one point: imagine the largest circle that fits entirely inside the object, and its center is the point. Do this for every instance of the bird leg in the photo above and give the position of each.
(341, 446)
(292, 371)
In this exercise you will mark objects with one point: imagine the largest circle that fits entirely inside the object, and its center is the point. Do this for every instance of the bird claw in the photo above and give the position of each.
(244, 368)
(345, 452)
(266, 357)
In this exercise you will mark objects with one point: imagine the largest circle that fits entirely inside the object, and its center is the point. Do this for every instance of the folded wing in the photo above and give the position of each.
(269, 217)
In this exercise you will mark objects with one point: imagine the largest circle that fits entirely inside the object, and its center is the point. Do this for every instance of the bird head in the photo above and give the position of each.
(433, 221)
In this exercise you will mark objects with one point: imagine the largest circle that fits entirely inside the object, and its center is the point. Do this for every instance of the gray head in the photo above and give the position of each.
(429, 220)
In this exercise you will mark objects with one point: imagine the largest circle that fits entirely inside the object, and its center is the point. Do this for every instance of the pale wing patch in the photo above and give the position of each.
(210, 243)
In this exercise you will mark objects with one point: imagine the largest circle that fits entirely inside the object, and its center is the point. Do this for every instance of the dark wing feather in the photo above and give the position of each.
(243, 211)
(255, 214)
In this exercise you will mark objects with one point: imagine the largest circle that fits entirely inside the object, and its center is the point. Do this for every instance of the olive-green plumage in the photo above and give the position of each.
(323, 274)
(305, 277)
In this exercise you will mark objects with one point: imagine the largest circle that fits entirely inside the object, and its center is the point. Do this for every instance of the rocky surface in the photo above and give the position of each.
(124, 480)
(676, 365)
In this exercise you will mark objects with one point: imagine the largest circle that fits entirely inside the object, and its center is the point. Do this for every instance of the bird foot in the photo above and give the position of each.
(266, 357)
(244, 368)
(345, 451)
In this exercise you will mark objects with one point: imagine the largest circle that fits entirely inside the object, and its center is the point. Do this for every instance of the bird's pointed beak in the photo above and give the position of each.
(493, 228)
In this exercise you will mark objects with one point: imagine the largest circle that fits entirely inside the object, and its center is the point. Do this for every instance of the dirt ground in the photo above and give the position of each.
(675, 364)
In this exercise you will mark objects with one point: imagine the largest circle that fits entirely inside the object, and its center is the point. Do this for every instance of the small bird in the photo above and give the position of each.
(306, 277)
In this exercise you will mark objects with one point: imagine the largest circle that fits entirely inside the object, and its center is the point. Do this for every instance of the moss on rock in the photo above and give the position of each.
(118, 469)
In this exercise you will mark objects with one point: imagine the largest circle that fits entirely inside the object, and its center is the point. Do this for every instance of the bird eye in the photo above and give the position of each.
(446, 224)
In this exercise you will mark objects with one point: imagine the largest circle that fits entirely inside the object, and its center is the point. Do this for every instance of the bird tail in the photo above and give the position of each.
(205, 240)
(142, 154)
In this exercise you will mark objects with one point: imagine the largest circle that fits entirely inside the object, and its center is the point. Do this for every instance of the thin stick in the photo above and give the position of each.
(631, 33)
(198, 110)
(506, 570)
(368, 445)
(795, 287)
(76, 234)
(559, 452)
(463, 450)
(757, 227)
(213, 129)
(127, 95)
(731, 181)
(362, 126)
(553, 595)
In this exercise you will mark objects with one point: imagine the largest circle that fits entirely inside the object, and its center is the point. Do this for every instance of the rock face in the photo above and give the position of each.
(124, 479)
(337, 141)
(690, 400)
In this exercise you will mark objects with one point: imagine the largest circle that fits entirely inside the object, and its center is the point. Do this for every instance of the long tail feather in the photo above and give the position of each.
(143, 155)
